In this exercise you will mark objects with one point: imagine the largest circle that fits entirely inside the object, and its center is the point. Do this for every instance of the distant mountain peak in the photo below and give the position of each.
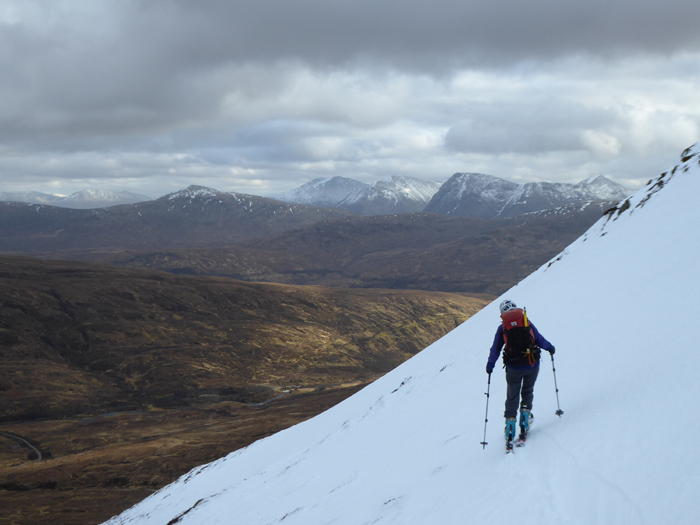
(324, 192)
(394, 194)
(84, 199)
(193, 191)
(487, 197)
(472, 195)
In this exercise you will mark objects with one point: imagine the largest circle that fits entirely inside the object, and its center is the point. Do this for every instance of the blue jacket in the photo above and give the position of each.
(498, 343)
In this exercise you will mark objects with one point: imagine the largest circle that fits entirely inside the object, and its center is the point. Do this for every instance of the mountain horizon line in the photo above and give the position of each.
(335, 191)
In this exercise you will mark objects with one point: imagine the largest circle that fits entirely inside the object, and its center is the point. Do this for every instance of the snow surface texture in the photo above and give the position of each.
(617, 304)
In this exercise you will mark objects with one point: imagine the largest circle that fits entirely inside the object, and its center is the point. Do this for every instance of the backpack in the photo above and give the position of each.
(520, 346)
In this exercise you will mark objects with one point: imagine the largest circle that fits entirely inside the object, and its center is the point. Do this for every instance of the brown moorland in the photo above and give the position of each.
(124, 379)
(415, 251)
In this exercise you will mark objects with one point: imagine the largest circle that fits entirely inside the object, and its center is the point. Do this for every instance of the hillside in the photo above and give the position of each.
(194, 217)
(124, 338)
(406, 448)
(413, 251)
(123, 379)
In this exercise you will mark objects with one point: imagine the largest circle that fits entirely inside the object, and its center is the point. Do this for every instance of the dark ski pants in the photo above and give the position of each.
(521, 383)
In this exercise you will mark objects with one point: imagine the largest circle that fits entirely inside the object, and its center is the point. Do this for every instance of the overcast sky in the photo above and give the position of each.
(260, 96)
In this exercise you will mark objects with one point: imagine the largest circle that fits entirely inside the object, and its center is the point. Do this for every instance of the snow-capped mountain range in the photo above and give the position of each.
(395, 194)
(85, 199)
(488, 197)
(326, 192)
(193, 217)
(463, 195)
(617, 304)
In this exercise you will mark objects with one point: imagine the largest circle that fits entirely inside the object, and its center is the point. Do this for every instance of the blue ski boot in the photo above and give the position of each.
(510, 433)
(525, 420)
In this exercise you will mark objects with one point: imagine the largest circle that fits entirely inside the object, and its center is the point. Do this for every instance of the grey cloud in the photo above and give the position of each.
(443, 31)
(132, 88)
(534, 120)
(480, 137)
(149, 65)
(149, 56)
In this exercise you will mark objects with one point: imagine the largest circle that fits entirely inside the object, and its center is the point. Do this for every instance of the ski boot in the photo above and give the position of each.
(510, 433)
(525, 420)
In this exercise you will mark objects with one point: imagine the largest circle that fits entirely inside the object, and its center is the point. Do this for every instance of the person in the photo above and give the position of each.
(521, 359)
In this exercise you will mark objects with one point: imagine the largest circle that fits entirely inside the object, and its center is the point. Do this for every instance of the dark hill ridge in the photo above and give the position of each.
(416, 251)
(195, 217)
(78, 338)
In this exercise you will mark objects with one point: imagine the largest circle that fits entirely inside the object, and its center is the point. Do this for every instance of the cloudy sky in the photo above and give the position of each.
(260, 96)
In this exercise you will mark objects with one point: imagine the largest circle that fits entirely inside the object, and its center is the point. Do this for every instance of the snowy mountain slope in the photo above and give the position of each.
(603, 188)
(88, 199)
(321, 192)
(85, 199)
(472, 195)
(488, 197)
(617, 304)
(34, 197)
(395, 194)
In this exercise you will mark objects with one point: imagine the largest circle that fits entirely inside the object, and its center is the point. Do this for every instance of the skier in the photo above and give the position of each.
(521, 359)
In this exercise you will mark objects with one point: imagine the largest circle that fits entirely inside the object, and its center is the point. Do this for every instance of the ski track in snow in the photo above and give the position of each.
(406, 449)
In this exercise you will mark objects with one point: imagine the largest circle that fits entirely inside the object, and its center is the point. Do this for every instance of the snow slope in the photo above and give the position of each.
(617, 304)
(394, 194)
(321, 192)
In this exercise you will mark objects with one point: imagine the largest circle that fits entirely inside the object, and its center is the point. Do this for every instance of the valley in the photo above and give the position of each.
(125, 379)
(420, 251)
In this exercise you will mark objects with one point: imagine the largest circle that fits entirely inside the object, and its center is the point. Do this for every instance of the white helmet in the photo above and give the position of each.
(507, 305)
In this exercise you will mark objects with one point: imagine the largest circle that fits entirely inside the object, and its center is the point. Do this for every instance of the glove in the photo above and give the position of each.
(489, 369)
(552, 351)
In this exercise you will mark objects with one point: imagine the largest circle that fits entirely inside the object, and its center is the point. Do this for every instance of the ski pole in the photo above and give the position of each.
(486, 419)
(559, 411)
